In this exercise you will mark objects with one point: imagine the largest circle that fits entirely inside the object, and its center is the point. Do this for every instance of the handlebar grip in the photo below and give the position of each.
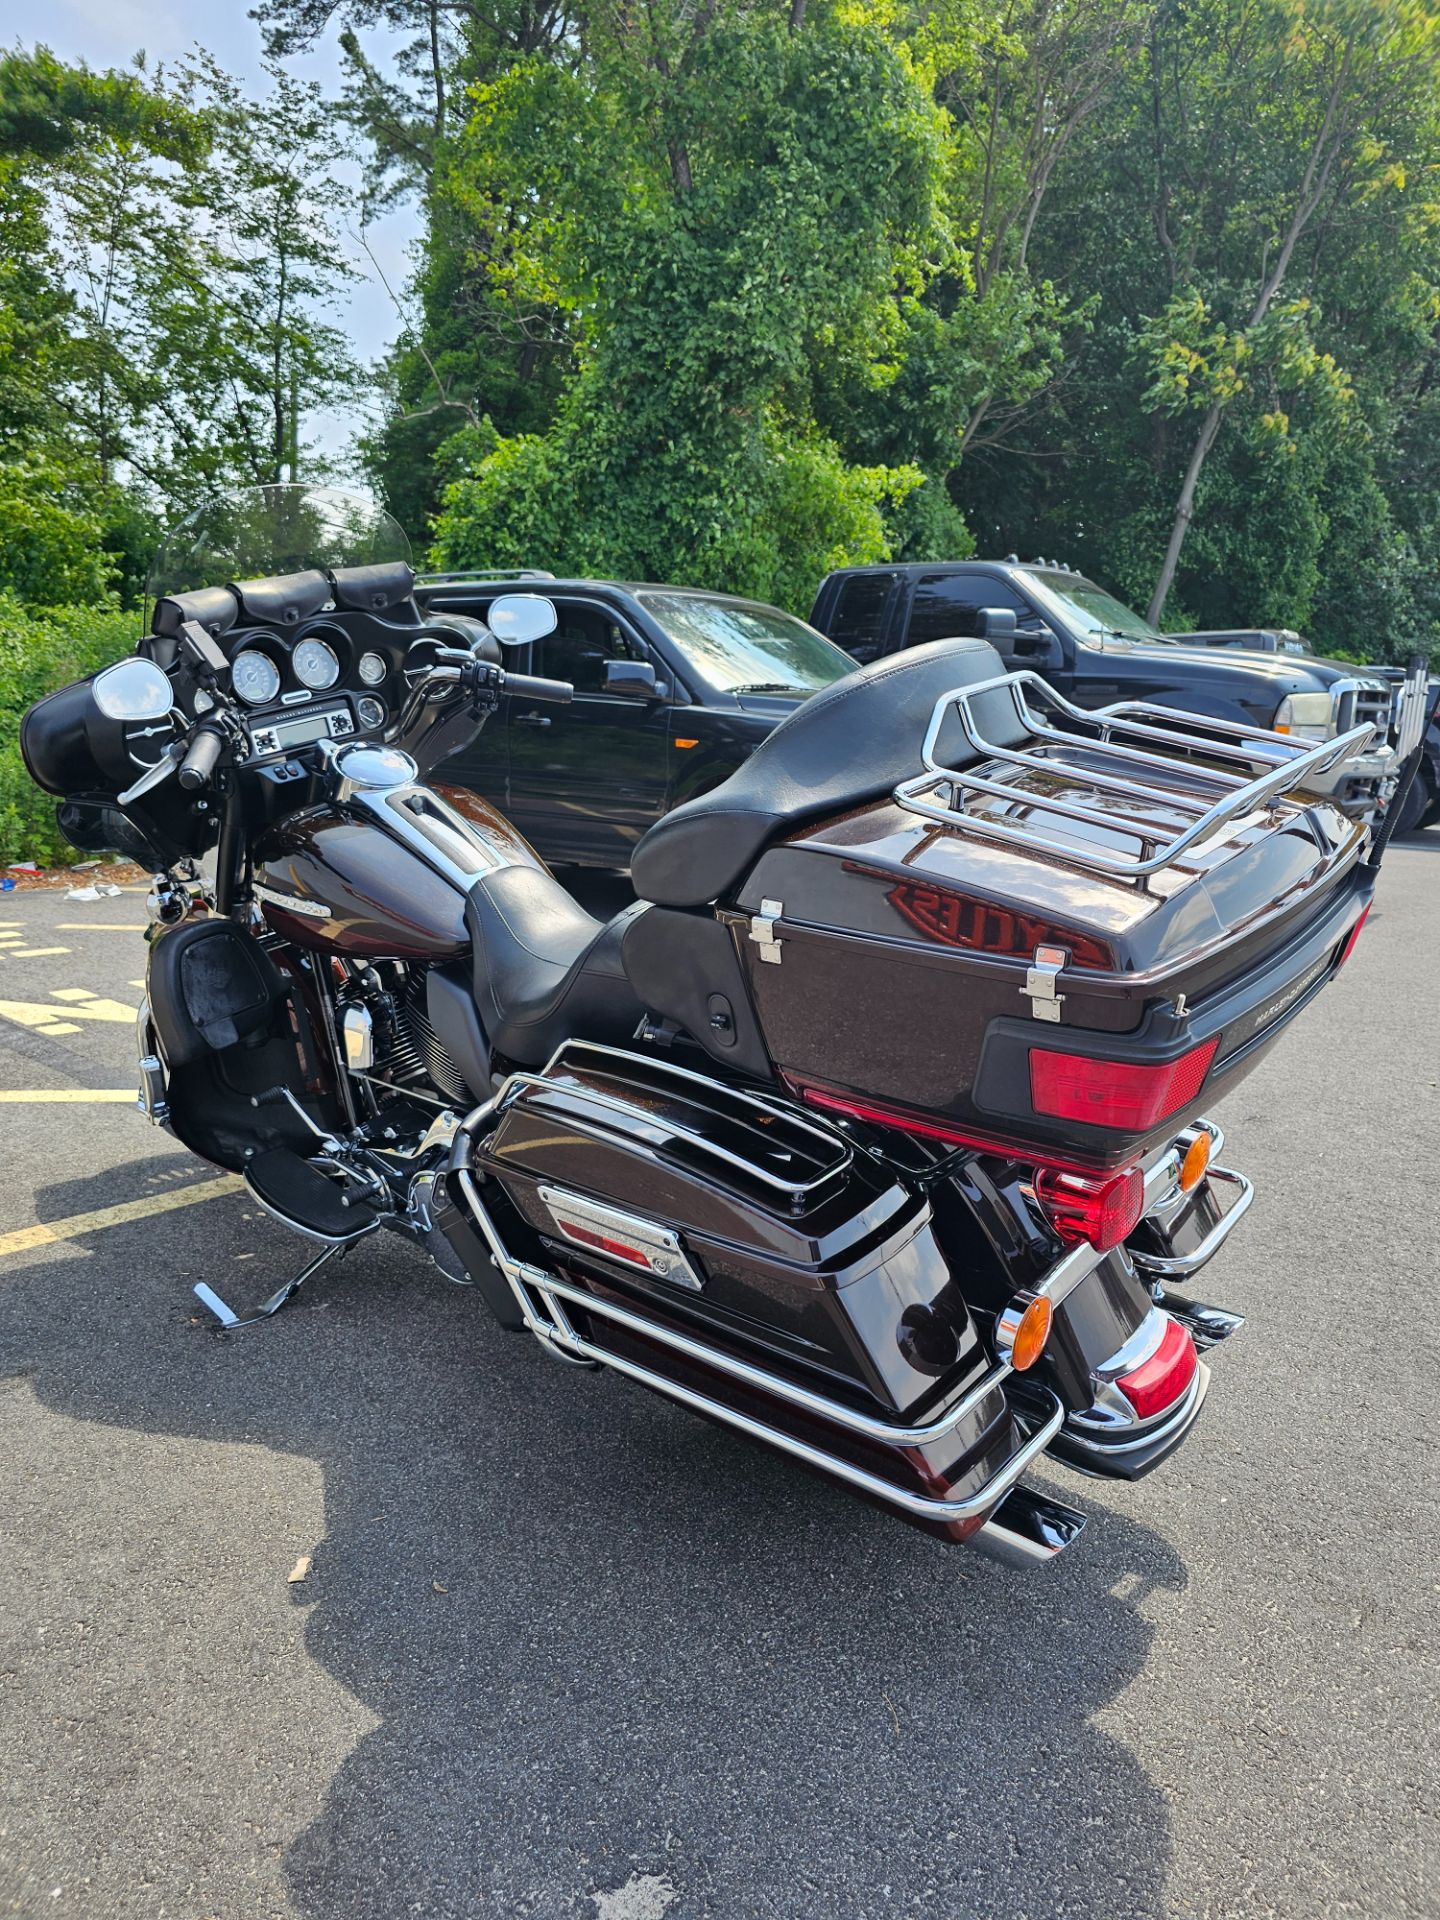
(562, 692)
(200, 759)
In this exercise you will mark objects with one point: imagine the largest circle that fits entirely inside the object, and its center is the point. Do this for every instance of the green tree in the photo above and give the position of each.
(717, 203)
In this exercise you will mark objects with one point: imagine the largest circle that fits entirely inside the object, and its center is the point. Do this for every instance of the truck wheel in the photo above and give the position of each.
(1420, 805)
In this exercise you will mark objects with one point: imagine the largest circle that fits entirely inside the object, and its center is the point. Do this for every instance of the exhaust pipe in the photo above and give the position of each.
(1027, 1529)
(1208, 1326)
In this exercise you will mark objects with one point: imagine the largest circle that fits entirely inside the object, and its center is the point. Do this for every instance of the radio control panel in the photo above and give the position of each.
(302, 729)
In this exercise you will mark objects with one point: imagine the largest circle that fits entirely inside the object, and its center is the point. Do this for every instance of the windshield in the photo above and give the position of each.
(259, 531)
(745, 647)
(1088, 609)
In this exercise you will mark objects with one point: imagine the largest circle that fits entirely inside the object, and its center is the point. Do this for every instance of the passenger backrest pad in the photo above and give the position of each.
(843, 748)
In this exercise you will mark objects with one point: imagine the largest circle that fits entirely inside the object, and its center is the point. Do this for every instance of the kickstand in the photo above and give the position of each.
(230, 1321)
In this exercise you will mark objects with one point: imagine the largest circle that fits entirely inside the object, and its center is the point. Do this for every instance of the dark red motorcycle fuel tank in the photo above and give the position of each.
(331, 880)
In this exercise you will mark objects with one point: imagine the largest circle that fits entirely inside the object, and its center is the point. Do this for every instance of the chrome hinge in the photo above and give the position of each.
(762, 930)
(1040, 979)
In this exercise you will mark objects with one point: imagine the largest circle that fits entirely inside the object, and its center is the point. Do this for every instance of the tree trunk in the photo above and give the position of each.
(1184, 513)
(437, 70)
(1312, 191)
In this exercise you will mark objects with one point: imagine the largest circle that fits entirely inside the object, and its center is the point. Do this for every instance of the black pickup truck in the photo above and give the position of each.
(1095, 650)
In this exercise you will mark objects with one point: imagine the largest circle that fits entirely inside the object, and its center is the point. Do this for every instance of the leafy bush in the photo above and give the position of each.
(41, 649)
(48, 544)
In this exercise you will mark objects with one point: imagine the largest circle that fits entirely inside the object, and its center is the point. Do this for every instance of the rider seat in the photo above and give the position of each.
(545, 970)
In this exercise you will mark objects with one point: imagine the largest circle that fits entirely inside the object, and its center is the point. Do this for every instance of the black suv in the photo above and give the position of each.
(1095, 650)
(674, 688)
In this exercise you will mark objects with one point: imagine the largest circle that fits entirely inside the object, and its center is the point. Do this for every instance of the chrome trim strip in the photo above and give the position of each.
(1237, 795)
(153, 1098)
(1178, 1266)
(797, 1189)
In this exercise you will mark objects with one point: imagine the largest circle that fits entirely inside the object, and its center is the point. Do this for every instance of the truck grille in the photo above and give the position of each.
(1369, 706)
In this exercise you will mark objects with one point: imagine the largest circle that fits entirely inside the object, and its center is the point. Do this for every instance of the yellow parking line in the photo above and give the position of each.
(78, 1224)
(32, 953)
(73, 1095)
(27, 1013)
(101, 926)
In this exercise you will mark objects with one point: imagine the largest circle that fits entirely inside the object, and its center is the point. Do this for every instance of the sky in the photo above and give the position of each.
(108, 33)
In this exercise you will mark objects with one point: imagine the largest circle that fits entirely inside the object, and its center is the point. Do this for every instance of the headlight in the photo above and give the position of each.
(1309, 716)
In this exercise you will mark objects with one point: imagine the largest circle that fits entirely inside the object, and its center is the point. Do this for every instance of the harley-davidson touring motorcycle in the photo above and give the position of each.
(873, 1129)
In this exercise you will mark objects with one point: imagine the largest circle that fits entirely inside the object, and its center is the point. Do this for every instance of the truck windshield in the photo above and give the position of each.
(746, 647)
(1088, 609)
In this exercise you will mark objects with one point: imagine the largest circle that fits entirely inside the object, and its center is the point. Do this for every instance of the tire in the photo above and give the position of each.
(1420, 805)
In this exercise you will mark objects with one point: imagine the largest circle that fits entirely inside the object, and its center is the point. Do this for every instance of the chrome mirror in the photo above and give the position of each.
(133, 690)
(516, 619)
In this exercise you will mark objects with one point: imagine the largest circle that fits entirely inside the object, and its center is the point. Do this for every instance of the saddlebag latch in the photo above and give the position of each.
(1041, 979)
(762, 930)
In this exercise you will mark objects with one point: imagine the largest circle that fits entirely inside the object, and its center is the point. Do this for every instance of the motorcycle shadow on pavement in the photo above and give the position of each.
(599, 1639)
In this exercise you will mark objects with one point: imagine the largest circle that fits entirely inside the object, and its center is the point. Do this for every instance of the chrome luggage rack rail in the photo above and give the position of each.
(1211, 796)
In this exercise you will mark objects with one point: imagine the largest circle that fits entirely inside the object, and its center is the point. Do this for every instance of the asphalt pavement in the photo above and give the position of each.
(558, 1649)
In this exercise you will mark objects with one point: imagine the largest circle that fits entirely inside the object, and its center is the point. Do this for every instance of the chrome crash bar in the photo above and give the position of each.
(540, 1296)
(1212, 796)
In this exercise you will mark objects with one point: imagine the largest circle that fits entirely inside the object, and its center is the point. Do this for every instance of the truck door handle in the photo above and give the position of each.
(532, 720)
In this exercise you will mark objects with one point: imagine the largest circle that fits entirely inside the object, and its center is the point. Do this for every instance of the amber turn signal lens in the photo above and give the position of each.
(1197, 1159)
(1031, 1334)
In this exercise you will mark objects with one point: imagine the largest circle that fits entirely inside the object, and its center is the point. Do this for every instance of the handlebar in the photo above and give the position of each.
(528, 687)
(201, 758)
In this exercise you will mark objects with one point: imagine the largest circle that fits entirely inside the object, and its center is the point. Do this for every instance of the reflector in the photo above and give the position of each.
(1164, 1376)
(1354, 935)
(1031, 1334)
(1116, 1093)
(1197, 1159)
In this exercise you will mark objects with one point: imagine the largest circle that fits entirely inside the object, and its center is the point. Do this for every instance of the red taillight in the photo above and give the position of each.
(1114, 1093)
(1100, 1210)
(603, 1243)
(1161, 1380)
(1353, 936)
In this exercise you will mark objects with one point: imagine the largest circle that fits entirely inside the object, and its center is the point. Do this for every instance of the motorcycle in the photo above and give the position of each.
(871, 1131)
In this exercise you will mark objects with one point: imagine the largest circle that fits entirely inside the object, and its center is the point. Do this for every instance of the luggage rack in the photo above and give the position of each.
(1213, 797)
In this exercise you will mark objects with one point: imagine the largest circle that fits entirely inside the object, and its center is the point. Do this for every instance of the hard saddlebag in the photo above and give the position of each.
(732, 1215)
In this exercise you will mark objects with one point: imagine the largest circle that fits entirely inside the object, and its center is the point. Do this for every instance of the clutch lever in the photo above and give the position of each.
(152, 776)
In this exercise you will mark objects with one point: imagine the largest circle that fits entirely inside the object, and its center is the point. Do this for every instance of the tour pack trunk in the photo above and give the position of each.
(1001, 959)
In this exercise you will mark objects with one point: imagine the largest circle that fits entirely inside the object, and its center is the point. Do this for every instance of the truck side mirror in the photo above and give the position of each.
(631, 680)
(1040, 649)
(995, 623)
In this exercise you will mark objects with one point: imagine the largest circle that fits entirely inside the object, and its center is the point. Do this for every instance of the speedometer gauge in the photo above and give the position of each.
(315, 665)
(255, 677)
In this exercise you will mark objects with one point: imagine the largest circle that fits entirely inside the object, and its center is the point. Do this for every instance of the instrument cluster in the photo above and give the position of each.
(271, 670)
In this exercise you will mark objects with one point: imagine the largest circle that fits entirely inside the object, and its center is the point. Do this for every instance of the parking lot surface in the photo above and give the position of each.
(558, 1649)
